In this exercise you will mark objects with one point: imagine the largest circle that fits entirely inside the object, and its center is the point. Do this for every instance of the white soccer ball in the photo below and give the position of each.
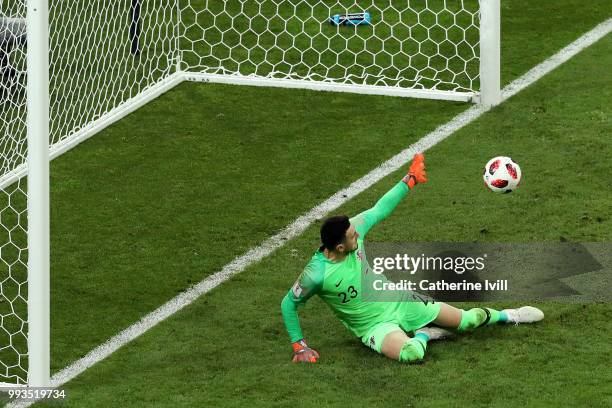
(502, 175)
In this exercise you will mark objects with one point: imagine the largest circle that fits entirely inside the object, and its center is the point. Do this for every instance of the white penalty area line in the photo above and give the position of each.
(298, 226)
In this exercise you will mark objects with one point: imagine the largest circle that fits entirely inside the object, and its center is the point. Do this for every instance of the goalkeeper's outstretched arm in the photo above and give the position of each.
(309, 283)
(385, 206)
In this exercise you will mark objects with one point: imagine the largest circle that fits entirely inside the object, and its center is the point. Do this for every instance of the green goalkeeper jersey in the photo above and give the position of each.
(339, 284)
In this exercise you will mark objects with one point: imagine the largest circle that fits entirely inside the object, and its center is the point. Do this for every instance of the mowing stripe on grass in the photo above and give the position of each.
(300, 224)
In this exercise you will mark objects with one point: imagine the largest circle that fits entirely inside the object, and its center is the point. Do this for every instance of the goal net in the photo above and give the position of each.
(108, 58)
(96, 75)
(427, 48)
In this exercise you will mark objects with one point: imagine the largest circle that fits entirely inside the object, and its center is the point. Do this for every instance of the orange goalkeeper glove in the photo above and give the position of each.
(304, 354)
(416, 173)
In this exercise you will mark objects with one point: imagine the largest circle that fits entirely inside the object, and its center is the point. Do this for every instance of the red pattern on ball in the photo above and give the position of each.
(494, 166)
(511, 171)
(499, 183)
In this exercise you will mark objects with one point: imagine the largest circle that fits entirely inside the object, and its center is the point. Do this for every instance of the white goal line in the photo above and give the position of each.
(303, 222)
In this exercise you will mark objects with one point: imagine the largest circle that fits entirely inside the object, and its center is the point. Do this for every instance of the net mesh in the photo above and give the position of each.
(416, 44)
(94, 69)
(13, 198)
(93, 66)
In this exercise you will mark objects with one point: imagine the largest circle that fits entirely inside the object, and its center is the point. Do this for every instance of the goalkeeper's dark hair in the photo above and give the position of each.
(333, 231)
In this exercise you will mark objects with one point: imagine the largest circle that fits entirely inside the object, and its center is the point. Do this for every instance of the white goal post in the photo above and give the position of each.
(38, 194)
(70, 68)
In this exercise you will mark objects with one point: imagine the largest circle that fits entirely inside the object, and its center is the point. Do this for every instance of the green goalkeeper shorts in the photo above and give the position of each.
(410, 316)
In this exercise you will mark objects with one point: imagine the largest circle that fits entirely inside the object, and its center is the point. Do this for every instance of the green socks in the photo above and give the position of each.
(474, 318)
(414, 349)
(496, 316)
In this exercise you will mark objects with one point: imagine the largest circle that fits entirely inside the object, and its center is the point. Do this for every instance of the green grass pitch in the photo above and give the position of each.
(173, 192)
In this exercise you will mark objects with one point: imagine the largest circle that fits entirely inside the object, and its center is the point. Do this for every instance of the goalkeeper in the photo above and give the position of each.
(334, 273)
